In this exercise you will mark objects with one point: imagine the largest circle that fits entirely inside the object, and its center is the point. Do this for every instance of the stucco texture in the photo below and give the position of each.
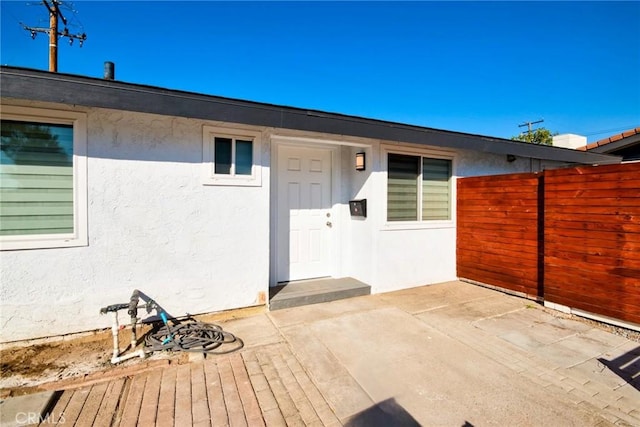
(152, 226)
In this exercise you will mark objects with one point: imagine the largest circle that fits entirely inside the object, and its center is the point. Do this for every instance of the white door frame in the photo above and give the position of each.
(336, 166)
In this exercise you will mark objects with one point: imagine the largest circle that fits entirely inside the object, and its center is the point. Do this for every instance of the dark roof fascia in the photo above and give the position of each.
(616, 145)
(29, 84)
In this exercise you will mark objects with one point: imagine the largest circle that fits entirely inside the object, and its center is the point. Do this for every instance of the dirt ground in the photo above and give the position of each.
(24, 369)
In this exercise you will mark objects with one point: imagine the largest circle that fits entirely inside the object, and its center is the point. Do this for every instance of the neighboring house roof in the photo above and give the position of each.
(625, 144)
(29, 84)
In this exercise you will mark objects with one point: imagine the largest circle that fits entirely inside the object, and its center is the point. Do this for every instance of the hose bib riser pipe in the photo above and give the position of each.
(189, 335)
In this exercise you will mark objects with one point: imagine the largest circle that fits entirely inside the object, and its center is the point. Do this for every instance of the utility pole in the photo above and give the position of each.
(528, 124)
(54, 14)
(53, 34)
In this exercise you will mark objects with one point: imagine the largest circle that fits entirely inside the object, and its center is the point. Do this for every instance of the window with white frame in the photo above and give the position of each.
(42, 178)
(231, 157)
(418, 188)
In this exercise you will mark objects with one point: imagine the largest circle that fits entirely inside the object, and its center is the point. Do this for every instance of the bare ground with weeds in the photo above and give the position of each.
(26, 369)
(23, 369)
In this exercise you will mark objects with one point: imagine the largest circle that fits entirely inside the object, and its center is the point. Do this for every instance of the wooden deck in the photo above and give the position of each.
(256, 387)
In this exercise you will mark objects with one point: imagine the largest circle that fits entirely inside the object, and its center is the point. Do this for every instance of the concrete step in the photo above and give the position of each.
(314, 291)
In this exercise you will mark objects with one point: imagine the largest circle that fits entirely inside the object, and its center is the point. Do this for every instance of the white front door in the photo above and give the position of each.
(304, 215)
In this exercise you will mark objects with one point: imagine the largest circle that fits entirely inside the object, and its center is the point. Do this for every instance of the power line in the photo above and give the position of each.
(55, 14)
(621, 128)
(528, 124)
(74, 20)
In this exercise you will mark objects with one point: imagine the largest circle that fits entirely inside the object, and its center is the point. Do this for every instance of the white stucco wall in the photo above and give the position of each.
(197, 248)
(391, 258)
(153, 226)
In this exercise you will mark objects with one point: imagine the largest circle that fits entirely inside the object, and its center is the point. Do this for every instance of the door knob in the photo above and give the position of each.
(329, 224)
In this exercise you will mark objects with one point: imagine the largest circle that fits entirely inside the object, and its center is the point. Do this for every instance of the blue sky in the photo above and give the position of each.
(477, 67)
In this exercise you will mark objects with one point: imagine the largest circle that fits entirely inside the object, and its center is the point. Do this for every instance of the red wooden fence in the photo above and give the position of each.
(498, 231)
(592, 239)
(582, 224)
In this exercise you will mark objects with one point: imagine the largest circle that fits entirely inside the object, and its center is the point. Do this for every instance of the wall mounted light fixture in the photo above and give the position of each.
(361, 162)
(511, 158)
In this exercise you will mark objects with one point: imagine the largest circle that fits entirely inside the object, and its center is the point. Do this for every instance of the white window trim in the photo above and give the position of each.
(422, 224)
(209, 177)
(79, 237)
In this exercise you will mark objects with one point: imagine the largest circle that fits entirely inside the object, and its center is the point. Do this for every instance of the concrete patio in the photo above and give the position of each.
(451, 354)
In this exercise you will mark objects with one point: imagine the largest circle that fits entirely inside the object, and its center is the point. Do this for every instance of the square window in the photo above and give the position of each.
(42, 179)
(231, 157)
(418, 188)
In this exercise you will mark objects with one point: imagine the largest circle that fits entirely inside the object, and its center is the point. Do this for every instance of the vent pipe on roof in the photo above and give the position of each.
(109, 70)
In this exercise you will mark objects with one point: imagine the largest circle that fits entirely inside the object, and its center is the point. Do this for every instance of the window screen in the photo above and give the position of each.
(402, 187)
(222, 155)
(436, 174)
(416, 181)
(36, 178)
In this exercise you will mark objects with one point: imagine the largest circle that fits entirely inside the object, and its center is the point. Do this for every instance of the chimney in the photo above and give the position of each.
(569, 140)
(109, 70)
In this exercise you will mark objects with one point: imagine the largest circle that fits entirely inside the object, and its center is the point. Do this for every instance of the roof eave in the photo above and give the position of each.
(616, 145)
(70, 89)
